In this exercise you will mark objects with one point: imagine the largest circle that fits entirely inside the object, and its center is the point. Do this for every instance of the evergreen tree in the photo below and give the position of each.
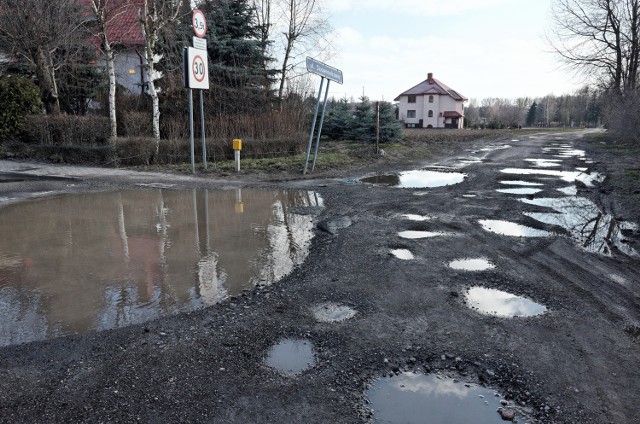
(339, 119)
(364, 125)
(531, 115)
(390, 128)
(238, 66)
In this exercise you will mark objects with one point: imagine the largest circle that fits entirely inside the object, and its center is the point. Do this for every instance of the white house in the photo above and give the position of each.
(431, 104)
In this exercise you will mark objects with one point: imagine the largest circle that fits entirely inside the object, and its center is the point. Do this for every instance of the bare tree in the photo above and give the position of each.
(600, 38)
(46, 33)
(154, 16)
(105, 12)
(305, 27)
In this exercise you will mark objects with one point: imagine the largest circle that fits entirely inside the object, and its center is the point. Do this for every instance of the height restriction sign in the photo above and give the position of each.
(196, 69)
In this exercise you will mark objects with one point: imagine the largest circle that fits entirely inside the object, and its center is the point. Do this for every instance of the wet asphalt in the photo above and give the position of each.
(577, 362)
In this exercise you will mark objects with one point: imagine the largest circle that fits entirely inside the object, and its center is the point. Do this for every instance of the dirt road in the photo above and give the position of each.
(576, 362)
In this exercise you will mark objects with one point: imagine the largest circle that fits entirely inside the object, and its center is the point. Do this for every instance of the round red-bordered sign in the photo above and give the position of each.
(198, 68)
(199, 23)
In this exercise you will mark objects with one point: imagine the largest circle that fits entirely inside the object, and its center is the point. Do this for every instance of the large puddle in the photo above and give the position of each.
(79, 263)
(500, 303)
(512, 229)
(592, 229)
(410, 398)
(417, 179)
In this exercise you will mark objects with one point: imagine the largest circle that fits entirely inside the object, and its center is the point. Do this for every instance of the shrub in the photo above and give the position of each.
(19, 97)
(65, 130)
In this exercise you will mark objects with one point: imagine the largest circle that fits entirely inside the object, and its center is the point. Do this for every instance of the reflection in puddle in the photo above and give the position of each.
(418, 179)
(545, 163)
(79, 263)
(291, 356)
(410, 398)
(521, 183)
(500, 303)
(413, 217)
(523, 190)
(569, 191)
(403, 254)
(568, 176)
(589, 227)
(420, 234)
(332, 312)
(478, 264)
(507, 228)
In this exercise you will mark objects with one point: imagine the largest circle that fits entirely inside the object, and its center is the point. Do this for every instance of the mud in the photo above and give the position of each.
(575, 363)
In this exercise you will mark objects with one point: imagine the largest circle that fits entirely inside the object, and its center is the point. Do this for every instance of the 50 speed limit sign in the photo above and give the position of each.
(196, 69)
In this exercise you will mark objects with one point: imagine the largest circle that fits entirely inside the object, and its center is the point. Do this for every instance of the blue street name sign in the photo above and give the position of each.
(324, 70)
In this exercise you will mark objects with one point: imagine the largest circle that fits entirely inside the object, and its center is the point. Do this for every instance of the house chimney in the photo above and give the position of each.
(429, 76)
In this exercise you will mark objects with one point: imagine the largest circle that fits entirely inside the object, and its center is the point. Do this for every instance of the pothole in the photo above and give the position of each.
(410, 398)
(568, 176)
(545, 163)
(521, 183)
(332, 312)
(512, 229)
(502, 304)
(471, 264)
(402, 254)
(569, 191)
(415, 217)
(81, 263)
(417, 179)
(421, 234)
(291, 357)
(592, 229)
(521, 191)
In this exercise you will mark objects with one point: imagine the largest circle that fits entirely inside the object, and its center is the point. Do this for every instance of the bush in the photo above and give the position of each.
(622, 116)
(19, 97)
(64, 130)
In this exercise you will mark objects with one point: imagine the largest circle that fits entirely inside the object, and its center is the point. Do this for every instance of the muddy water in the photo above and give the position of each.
(291, 356)
(418, 179)
(79, 263)
(417, 398)
(512, 229)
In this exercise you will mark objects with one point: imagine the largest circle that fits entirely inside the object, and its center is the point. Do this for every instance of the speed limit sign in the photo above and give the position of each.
(199, 23)
(196, 69)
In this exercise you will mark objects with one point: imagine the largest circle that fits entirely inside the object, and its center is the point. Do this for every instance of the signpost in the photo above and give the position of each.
(331, 74)
(196, 76)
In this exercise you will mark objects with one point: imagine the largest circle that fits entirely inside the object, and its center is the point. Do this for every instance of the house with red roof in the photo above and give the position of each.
(431, 104)
(125, 36)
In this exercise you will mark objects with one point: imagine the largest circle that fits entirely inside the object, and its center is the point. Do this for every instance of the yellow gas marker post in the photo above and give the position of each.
(237, 147)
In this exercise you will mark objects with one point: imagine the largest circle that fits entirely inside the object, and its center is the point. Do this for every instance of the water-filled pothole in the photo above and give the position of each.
(521, 183)
(291, 356)
(500, 303)
(592, 229)
(421, 234)
(521, 190)
(410, 398)
(545, 163)
(332, 312)
(79, 263)
(471, 264)
(403, 254)
(417, 179)
(568, 176)
(507, 228)
(415, 217)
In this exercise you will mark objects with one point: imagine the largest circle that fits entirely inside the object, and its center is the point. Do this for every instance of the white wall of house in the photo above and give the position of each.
(128, 61)
(441, 104)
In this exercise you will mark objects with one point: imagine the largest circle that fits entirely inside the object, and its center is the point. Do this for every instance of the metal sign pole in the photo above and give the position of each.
(204, 145)
(193, 158)
(324, 108)
(313, 126)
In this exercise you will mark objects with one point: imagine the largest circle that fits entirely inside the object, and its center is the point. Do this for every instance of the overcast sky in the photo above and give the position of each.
(481, 48)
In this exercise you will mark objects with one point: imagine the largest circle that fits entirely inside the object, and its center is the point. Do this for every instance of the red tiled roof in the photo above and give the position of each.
(432, 86)
(451, 114)
(123, 26)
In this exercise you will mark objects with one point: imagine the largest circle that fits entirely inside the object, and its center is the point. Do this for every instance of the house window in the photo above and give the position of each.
(430, 114)
(412, 98)
(411, 114)
(430, 99)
